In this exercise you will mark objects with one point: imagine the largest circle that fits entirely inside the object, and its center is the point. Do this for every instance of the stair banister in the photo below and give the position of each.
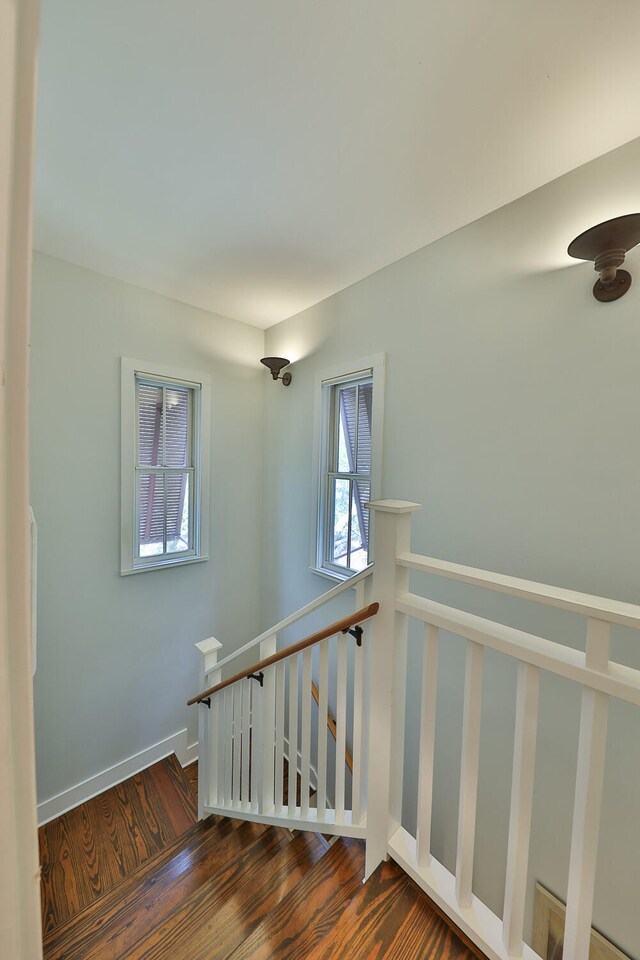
(333, 629)
(377, 786)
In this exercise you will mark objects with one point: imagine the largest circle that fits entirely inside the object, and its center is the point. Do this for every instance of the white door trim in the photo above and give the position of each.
(19, 878)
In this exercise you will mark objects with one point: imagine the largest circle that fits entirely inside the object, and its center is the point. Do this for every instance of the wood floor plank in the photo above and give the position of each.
(392, 918)
(213, 923)
(95, 915)
(173, 784)
(60, 897)
(422, 933)
(177, 924)
(89, 849)
(312, 908)
(258, 896)
(369, 922)
(191, 773)
(131, 910)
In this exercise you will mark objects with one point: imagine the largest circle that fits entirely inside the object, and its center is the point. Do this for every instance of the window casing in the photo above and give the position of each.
(165, 460)
(348, 443)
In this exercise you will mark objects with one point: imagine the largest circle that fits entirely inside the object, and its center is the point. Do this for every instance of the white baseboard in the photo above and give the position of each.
(190, 755)
(68, 799)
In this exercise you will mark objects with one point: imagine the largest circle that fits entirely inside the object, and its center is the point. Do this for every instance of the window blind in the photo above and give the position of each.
(355, 416)
(164, 414)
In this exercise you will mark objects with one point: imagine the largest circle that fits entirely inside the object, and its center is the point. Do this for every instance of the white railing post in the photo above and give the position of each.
(588, 799)
(388, 676)
(207, 741)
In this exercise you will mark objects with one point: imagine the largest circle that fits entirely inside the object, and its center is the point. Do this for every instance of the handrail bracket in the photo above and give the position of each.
(207, 702)
(356, 632)
(256, 676)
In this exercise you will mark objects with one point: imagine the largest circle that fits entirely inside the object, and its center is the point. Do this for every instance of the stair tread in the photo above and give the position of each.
(122, 915)
(311, 909)
(391, 917)
(216, 919)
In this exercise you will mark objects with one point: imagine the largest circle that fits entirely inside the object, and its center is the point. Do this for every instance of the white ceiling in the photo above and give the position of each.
(255, 156)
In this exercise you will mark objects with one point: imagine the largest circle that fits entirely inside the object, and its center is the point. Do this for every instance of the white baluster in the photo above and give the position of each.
(218, 703)
(588, 799)
(256, 745)
(267, 649)
(323, 706)
(279, 744)
(524, 761)
(246, 740)
(293, 732)
(228, 745)
(427, 743)
(341, 725)
(357, 752)
(207, 727)
(469, 772)
(305, 740)
(236, 690)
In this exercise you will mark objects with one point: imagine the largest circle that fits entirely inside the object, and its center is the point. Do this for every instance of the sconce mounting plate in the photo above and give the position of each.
(606, 292)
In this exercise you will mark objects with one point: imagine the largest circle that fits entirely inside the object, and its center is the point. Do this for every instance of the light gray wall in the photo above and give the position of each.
(511, 413)
(116, 661)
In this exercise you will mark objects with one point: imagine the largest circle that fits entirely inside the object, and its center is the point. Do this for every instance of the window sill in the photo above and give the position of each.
(165, 564)
(336, 577)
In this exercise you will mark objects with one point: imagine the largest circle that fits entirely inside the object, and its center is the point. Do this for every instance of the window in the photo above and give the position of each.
(349, 411)
(164, 467)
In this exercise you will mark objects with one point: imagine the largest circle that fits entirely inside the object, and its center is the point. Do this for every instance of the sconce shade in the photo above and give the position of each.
(276, 364)
(607, 244)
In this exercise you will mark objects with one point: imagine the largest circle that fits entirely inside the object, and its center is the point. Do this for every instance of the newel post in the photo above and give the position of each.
(392, 526)
(207, 739)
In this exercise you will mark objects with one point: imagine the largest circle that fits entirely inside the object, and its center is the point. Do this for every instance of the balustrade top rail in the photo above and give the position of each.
(340, 626)
(612, 611)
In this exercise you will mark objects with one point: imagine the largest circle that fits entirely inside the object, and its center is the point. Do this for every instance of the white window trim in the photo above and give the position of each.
(323, 378)
(202, 462)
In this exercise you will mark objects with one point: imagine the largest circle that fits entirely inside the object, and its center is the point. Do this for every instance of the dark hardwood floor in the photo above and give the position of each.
(130, 875)
(191, 773)
(86, 851)
(391, 917)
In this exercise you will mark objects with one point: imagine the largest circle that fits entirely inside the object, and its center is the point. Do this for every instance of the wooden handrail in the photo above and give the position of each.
(331, 724)
(339, 626)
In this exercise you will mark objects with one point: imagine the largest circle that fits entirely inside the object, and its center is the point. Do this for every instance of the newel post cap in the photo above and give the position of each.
(393, 506)
(208, 646)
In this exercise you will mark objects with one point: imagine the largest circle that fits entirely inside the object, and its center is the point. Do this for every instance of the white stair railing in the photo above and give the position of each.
(253, 719)
(248, 734)
(599, 678)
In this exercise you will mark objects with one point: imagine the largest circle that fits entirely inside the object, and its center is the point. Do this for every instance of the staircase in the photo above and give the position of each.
(249, 891)
(359, 668)
(256, 877)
